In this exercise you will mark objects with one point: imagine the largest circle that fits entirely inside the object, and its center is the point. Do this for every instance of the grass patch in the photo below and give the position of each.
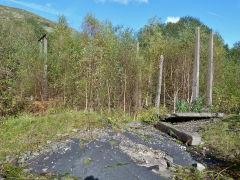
(223, 137)
(113, 143)
(87, 161)
(191, 173)
(25, 133)
(117, 165)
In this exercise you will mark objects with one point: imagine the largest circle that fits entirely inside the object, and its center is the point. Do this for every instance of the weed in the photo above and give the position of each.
(117, 165)
(113, 143)
(87, 161)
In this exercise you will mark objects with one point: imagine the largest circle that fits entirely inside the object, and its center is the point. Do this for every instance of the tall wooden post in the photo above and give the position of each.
(43, 44)
(195, 82)
(210, 72)
(157, 100)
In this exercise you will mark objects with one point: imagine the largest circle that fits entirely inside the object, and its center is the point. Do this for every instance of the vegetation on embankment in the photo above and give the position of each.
(223, 138)
(221, 143)
(99, 67)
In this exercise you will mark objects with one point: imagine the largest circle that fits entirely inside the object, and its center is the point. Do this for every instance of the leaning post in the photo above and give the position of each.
(195, 83)
(210, 72)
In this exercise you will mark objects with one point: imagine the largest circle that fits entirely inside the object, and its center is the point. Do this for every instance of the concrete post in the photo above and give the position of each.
(210, 72)
(195, 83)
(157, 101)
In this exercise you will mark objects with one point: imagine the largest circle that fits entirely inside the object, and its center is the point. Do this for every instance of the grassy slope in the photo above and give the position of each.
(11, 13)
(25, 133)
(7, 13)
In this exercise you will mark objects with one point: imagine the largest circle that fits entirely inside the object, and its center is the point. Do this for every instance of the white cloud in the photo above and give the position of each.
(48, 4)
(123, 1)
(214, 14)
(172, 20)
(44, 8)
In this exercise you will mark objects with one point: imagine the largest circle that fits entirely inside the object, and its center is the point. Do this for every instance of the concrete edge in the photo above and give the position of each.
(186, 137)
(192, 115)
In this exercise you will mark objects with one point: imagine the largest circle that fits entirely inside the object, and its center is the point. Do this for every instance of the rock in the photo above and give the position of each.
(231, 156)
(54, 148)
(75, 130)
(26, 170)
(35, 154)
(44, 170)
(29, 153)
(22, 161)
(49, 142)
(169, 160)
(65, 134)
(199, 166)
(24, 156)
(46, 158)
(8, 158)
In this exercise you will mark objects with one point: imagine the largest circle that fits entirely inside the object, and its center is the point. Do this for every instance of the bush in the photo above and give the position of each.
(150, 115)
(197, 104)
(181, 106)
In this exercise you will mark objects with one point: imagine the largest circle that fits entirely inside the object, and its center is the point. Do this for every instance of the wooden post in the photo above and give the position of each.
(210, 72)
(45, 91)
(195, 83)
(43, 44)
(157, 100)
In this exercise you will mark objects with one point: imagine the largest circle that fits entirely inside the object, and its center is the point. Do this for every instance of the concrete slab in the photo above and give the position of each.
(186, 137)
(191, 115)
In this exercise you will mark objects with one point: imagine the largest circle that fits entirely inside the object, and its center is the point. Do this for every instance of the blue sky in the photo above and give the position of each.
(222, 16)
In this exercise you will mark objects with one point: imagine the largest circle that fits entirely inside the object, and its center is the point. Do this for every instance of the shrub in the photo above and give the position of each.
(181, 106)
(197, 104)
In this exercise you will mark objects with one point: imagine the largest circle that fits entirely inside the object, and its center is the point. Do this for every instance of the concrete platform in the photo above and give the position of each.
(186, 137)
(190, 116)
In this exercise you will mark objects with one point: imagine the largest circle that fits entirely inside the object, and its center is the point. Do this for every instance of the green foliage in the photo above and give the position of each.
(181, 106)
(197, 104)
(98, 68)
(11, 171)
(150, 115)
